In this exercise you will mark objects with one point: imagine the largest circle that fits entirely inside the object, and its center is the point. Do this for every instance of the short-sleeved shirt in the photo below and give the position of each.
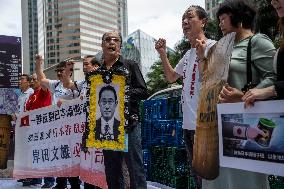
(40, 98)
(24, 96)
(59, 92)
(188, 69)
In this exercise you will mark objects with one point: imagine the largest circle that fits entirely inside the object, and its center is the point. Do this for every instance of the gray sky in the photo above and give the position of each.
(10, 18)
(158, 18)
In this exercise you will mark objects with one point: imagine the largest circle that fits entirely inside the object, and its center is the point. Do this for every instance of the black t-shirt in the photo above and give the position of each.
(137, 86)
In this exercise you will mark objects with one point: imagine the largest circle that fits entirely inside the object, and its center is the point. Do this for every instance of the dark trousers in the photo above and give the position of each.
(90, 186)
(49, 180)
(74, 182)
(188, 136)
(133, 158)
(36, 181)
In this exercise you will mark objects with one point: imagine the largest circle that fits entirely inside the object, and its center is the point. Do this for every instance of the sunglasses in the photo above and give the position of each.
(109, 39)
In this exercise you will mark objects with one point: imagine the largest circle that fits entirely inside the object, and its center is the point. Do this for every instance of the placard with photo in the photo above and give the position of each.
(252, 138)
(107, 97)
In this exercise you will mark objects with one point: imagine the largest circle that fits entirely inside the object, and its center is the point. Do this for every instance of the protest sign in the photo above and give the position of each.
(253, 138)
(108, 115)
(48, 143)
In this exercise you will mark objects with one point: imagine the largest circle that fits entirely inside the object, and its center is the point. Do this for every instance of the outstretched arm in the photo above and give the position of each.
(40, 75)
(241, 131)
(170, 73)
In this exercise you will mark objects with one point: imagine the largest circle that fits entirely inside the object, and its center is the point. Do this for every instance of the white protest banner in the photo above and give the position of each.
(253, 138)
(48, 143)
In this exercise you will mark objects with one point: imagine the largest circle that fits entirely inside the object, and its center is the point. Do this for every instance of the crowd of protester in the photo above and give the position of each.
(251, 75)
(254, 74)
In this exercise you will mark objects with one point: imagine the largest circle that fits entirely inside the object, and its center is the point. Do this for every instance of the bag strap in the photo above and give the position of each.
(56, 85)
(76, 86)
(77, 89)
(249, 72)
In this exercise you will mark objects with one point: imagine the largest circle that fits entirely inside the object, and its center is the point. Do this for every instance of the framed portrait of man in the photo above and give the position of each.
(106, 120)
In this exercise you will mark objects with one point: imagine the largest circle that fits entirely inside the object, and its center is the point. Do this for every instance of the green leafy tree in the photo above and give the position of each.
(156, 78)
(212, 30)
(181, 47)
(266, 21)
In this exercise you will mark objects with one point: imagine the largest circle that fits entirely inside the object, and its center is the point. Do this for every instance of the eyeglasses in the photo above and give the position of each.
(110, 102)
(109, 39)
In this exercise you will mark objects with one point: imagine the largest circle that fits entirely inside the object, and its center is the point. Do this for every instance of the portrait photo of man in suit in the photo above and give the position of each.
(107, 125)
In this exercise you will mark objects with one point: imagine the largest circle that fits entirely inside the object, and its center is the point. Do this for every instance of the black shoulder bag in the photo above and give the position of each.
(249, 85)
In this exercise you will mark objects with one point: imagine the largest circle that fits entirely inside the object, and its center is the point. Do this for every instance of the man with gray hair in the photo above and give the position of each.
(189, 69)
(112, 60)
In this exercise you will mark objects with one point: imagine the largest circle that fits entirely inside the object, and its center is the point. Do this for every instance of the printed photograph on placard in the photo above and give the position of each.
(254, 136)
(106, 118)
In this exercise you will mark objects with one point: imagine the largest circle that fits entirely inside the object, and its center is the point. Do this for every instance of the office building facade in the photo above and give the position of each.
(211, 7)
(29, 33)
(73, 28)
(140, 47)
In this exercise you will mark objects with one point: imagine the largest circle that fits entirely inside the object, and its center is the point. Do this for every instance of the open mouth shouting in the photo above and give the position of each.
(112, 49)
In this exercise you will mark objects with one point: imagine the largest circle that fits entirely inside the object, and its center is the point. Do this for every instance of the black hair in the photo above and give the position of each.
(107, 88)
(240, 12)
(28, 78)
(63, 65)
(94, 61)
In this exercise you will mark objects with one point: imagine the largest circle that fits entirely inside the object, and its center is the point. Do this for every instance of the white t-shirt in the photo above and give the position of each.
(59, 92)
(24, 96)
(188, 69)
